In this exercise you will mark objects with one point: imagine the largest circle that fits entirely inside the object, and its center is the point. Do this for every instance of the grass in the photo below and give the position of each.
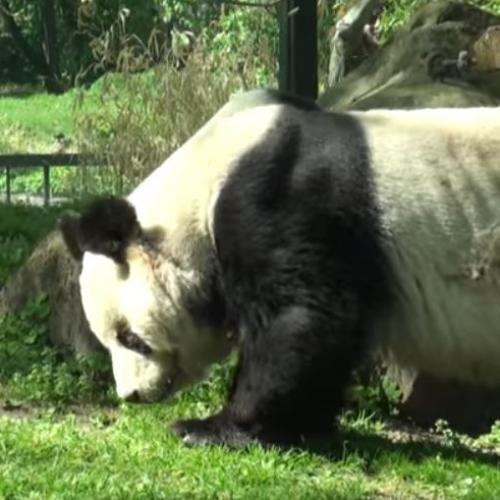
(55, 443)
(64, 434)
(31, 122)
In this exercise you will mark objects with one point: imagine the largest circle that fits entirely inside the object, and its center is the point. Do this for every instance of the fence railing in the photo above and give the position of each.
(44, 161)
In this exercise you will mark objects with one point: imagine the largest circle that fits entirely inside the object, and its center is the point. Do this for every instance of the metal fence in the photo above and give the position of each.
(44, 161)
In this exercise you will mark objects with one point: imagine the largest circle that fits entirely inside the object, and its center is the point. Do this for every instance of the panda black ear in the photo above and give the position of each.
(107, 227)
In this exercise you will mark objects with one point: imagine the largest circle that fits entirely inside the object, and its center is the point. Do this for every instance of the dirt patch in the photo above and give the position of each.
(402, 433)
(84, 413)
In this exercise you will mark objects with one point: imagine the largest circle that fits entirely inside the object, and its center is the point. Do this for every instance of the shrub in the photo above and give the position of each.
(135, 120)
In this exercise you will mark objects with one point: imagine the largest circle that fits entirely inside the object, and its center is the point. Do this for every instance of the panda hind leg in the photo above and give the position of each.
(289, 383)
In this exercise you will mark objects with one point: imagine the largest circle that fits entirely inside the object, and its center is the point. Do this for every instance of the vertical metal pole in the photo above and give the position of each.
(46, 185)
(298, 59)
(7, 183)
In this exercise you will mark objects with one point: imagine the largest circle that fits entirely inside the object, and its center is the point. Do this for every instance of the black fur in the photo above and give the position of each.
(278, 97)
(300, 249)
(106, 227)
(130, 340)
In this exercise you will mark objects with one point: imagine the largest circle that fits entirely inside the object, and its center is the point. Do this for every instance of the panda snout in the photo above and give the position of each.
(137, 396)
(132, 397)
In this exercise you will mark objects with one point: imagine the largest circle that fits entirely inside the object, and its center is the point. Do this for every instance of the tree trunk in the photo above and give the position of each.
(19, 41)
(45, 64)
(49, 44)
(348, 39)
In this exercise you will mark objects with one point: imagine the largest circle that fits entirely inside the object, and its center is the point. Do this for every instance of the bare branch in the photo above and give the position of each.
(348, 35)
(242, 3)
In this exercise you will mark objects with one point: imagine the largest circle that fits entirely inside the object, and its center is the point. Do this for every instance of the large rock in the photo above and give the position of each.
(417, 70)
(51, 271)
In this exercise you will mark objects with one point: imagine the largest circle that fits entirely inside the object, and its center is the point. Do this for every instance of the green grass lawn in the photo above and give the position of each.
(30, 123)
(63, 433)
(31, 119)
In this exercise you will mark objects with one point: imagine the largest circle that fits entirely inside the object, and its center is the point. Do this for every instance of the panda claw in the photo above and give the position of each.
(192, 440)
(191, 432)
(210, 431)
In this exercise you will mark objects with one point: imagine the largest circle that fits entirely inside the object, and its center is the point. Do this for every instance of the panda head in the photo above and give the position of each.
(138, 302)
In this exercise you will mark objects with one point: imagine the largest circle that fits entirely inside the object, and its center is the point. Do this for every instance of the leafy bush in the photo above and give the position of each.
(82, 28)
(247, 39)
(32, 371)
(143, 118)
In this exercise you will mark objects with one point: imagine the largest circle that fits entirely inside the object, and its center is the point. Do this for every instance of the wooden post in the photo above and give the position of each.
(7, 184)
(46, 185)
(50, 46)
(298, 59)
(47, 161)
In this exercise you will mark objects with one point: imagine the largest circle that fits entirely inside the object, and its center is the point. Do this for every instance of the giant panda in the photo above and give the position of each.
(302, 239)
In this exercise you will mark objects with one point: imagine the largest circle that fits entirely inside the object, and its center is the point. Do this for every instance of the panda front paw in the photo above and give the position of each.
(216, 430)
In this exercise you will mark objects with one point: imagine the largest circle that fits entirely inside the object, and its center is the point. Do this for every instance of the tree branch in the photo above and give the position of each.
(348, 37)
(49, 44)
(20, 42)
(242, 3)
(42, 66)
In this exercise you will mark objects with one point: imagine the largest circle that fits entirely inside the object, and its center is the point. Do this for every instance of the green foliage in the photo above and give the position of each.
(396, 14)
(249, 37)
(13, 252)
(378, 397)
(191, 15)
(32, 372)
(142, 118)
(83, 28)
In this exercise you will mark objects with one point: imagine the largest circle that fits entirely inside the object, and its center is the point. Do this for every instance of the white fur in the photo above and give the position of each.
(437, 177)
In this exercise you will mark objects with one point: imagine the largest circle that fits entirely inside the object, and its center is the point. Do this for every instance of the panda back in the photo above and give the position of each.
(437, 180)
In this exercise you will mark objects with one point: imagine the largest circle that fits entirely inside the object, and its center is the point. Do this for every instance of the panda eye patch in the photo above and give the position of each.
(132, 341)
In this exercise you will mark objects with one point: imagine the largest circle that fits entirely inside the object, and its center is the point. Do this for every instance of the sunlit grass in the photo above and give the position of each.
(30, 124)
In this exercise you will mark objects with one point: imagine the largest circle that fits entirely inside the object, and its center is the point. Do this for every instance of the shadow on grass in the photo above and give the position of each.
(336, 447)
(19, 91)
